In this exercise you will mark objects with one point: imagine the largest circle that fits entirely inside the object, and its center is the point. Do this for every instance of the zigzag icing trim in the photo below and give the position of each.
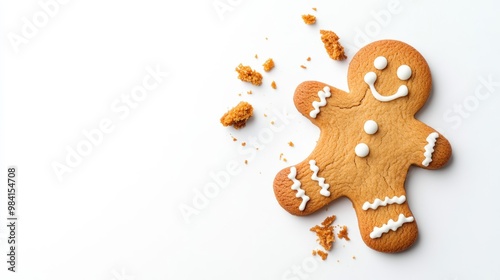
(391, 225)
(377, 203)
(322, 94)
(429, 148)
(296, 187)
(321, 181)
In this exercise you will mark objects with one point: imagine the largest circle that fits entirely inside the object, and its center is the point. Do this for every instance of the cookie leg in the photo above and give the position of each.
(386, 224)
(297, 193)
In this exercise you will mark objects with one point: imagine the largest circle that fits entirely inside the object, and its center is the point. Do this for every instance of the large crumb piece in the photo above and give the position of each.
(237, 116)
(343, 233)
(268, 65)
(324, 232)
(247, 74)
(332, 45)
(309, 19)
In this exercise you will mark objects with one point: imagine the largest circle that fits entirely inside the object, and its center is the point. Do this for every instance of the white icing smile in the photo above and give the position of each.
(404, 73)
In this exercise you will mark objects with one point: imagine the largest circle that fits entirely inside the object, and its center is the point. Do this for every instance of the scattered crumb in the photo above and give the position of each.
(267, 38)
(314, 9)
(353, 257)
(291, 144)
(249, 92)
(308, 58)
(234, 138)
(246, 161)
(246, 74)
(256, 56)
(338, 261)
(265, 115)
(324, 232)
(309, 19)
(320, 253)
(237, 116)
(244, 144)
(332, 45)
(273, 85)
(283, 158)
(272, 122)
(343, 233)
(303, 66)
(268, 65)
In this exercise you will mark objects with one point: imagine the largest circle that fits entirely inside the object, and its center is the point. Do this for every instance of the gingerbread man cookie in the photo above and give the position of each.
(369, 138)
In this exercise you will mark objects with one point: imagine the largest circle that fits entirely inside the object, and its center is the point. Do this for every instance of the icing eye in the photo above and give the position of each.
(404, 72)
(380, 63)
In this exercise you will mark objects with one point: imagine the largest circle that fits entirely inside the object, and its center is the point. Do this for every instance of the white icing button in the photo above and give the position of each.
(404, 72)
(380, 63)
(370, 78)
(370, 127)
(362, 150)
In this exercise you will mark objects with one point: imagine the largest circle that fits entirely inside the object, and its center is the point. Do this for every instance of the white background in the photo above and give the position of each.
(117, 214)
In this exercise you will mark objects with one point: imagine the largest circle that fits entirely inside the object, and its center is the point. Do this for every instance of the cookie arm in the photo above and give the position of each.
(434, 151)
(314, 99)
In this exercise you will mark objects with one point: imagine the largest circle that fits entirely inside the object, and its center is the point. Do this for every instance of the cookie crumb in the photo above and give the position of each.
(343, 233)
(281, 156)
(309, 19)
(315, 9)
(246, 161)
(332, 45)
(265, 115)
(308, 58)
(323, 255)
(256, 56)
(272, 122)
(324, 232)
(291, 144)
(320, 253)
(244, 144)
(247, 74)
(354, 257)
(268, 65)
(234, 138)
(273, 85)
(249, 92)
(303, 66)
(237, 116)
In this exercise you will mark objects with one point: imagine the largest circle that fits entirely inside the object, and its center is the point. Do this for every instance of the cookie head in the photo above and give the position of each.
(391, 72)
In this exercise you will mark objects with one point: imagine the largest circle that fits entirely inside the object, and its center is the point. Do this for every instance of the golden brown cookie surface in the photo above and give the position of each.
(369, 138)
